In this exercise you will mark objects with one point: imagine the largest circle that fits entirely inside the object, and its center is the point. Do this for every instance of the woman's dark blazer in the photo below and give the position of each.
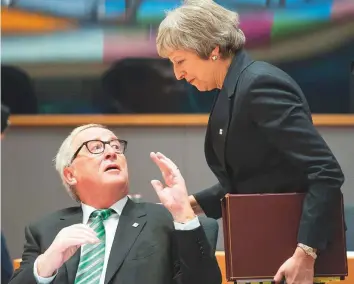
(260, 139)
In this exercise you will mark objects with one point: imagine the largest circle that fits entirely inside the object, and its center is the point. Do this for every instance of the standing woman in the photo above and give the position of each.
(260, 136)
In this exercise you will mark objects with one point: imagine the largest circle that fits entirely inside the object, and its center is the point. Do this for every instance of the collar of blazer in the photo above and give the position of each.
(239, 63)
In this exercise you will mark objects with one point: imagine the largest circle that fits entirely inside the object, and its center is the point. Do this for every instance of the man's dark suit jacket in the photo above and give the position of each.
(260, 139)
(153, 252)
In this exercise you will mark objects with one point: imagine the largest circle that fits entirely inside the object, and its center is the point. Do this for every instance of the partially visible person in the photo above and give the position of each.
(156, 91)
(108, 238)
(6, 263)
(260, 136)
(5, 114)
(17, 90)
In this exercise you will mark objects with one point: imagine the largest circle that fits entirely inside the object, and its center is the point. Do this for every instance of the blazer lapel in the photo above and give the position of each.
(212, 128)
(239, 63)
(131, 222)
(209, 137)
(72, 264)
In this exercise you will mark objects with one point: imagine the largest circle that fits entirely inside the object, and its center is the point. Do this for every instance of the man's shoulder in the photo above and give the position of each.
(156, 210)
(56, 216)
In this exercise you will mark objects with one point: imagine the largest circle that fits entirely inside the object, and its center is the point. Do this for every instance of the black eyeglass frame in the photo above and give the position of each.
(121, 141)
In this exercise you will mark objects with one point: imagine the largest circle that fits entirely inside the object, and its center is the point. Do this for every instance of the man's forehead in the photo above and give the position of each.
(93, 133)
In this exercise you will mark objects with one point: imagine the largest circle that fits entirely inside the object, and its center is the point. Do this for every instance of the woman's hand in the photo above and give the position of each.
(298, 269)
(195, 205)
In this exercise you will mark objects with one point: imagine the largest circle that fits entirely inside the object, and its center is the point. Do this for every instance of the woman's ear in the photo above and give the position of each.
(215, 53)
(69, 176)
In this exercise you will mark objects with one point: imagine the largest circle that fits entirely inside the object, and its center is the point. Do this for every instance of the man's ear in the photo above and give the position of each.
(69, 176)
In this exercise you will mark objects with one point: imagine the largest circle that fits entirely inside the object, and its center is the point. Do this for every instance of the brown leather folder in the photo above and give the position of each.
(260, 233)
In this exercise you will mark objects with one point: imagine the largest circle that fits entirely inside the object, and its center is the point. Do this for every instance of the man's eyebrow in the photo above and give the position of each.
(98, 138)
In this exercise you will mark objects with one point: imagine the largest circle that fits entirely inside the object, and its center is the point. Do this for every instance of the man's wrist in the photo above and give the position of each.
(44, 268)
(184, 216)
(188, 226)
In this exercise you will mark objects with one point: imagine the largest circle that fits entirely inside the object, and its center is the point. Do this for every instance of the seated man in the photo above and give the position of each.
(109, 238)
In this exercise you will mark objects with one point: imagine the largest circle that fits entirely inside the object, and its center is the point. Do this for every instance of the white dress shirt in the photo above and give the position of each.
(110, 226)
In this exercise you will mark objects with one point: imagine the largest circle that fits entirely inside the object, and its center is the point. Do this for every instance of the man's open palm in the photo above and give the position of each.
(173, 195)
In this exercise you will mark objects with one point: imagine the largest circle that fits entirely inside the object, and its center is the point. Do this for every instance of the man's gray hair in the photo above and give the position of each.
(65, 154)
(200, 26)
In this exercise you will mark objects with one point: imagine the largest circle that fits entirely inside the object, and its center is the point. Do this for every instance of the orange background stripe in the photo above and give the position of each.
(17, 21)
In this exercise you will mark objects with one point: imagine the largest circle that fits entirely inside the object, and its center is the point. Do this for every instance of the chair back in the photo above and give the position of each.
(211, 229)
(349, 221)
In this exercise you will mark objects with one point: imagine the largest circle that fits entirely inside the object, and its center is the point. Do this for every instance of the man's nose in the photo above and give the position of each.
(109, 152)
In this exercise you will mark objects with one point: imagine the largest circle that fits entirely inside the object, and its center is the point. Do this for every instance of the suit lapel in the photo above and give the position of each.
(224, 105)
(209, 137)
(131, 223)
(72, 264)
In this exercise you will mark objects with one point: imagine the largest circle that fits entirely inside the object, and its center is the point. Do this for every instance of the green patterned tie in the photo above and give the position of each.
(92, 255)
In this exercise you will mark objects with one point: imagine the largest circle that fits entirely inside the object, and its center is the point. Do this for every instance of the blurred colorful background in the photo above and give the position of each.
(93, 56)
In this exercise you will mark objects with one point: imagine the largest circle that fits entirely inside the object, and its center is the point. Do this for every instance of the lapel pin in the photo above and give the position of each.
(135, 225)
(220, 131)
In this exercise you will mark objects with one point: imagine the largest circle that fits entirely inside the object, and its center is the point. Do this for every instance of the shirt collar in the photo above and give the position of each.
(117, 207)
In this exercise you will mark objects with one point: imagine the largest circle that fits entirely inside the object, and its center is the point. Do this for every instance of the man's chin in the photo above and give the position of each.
(119, 182)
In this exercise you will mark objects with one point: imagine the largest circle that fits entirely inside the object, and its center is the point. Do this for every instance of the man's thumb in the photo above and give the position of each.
(157, 185)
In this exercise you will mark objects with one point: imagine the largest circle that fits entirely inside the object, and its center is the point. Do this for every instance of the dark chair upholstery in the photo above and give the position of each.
(211, 229)
(349, 220)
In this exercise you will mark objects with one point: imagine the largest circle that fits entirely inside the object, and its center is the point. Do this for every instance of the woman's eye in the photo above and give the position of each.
(180, 62)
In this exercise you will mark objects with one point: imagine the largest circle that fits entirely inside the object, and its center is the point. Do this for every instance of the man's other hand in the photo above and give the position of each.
(64, 247)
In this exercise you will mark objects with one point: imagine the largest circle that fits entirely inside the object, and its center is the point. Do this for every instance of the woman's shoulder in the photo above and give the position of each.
(264, 72)
(262, 68)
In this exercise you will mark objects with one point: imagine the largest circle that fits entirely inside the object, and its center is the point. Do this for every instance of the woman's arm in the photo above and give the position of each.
(280, 111)
(208, 201)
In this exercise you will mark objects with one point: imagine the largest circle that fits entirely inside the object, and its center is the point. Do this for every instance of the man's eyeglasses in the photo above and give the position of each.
(98, 146)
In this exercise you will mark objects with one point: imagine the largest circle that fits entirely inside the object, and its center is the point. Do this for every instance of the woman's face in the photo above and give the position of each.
(195, 70)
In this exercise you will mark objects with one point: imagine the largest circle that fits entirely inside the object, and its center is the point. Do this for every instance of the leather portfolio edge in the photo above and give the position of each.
(342, 277)
(225, 205)
(227, 240)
